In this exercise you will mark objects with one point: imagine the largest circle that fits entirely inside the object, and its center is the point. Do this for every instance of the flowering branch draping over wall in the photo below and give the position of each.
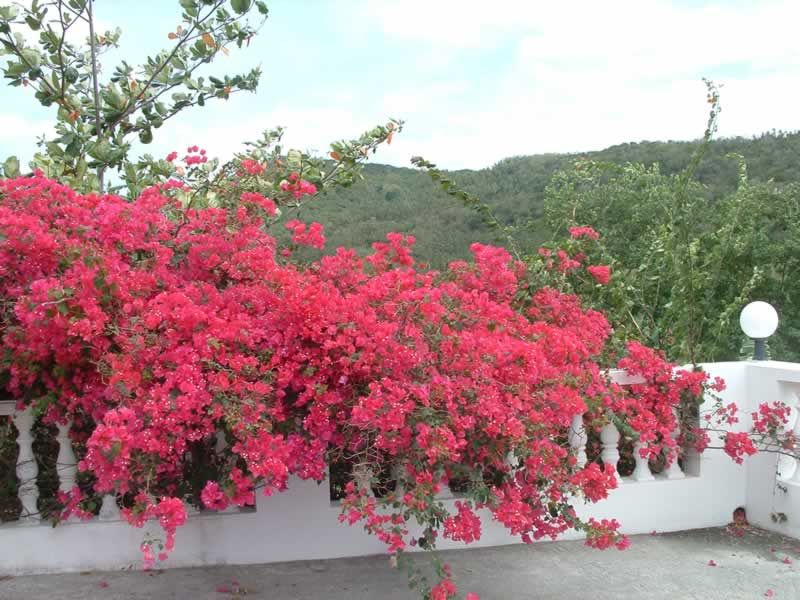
(157, 329)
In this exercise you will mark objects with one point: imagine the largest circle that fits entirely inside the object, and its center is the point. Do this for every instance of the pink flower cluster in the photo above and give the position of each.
(298, 187)
(312, 235)
(604, 534)
(253, 167)
(600, 273)
(256, 199)
(195, 156)
(577, 233)
(166, 332)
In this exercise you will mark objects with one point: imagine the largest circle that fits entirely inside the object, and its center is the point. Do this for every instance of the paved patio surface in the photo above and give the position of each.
(670, 566)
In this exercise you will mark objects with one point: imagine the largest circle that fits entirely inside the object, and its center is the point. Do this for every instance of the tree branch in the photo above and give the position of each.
(96, 91)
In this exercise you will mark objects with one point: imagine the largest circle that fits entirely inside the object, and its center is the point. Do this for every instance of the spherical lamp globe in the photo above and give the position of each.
(758, 320)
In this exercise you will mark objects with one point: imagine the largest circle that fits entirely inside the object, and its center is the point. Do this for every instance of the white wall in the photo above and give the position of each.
(302, 523)
(767, 493)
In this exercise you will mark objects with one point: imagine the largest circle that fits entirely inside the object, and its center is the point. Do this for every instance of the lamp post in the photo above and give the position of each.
(759, 320)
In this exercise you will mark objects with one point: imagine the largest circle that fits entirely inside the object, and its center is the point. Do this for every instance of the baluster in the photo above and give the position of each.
(674, 470)
(221, 443)
(512, 461)
(109, 511)
(444, 488)
(609, 436)
(641, 471)
(399, 490)
(66, 463)
(577, 440)
(27, 469)
(362, 476)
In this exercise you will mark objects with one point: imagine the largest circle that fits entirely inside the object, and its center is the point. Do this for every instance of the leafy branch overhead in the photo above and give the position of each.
(505, 232)
(264, 167)
(97, 119)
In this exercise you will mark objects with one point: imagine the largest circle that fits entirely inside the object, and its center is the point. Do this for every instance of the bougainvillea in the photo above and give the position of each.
(181, 334)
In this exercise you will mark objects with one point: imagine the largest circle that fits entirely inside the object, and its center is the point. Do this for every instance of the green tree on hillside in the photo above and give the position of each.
(686, 255)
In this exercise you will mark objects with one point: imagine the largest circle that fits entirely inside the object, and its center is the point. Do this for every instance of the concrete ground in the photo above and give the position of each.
(671, 566)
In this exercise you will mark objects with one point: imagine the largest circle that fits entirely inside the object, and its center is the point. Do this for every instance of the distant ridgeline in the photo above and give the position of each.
(405, 200)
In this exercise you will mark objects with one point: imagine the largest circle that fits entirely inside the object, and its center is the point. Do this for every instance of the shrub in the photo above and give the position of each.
(158, 328)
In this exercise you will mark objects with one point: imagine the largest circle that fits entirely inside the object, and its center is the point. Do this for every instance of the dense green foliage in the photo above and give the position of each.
(403, 199)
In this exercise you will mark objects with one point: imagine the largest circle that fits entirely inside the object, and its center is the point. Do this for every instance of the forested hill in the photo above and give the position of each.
(405, 200)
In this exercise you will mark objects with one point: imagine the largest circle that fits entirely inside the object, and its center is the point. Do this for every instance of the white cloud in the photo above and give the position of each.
(587, 75)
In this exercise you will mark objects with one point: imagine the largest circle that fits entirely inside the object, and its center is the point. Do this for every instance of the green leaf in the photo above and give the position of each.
(294, 158)
(100, 150)
(32, 57)
(11, 167)
(8, 12)
(191, 7)
(15, 69)
(240, 6)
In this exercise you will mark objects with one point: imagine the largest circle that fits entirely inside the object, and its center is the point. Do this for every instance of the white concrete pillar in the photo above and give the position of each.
(577, 440)
(609, 436)
(27, 469)
(362, 476)
(109, 511)
(66, 463)
(641, 471)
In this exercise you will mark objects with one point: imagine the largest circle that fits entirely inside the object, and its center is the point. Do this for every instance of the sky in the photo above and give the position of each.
(475, 81)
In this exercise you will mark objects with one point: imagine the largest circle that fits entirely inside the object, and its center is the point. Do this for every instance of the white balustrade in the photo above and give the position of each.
(399, 490)
(27, 469)
(66, 463)
(674, 470)
(109, 510)
(362, 476)
(512, 461)
(641, 471)
(220, 442)
(609, 436)
(577, 440)
(444, 488)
